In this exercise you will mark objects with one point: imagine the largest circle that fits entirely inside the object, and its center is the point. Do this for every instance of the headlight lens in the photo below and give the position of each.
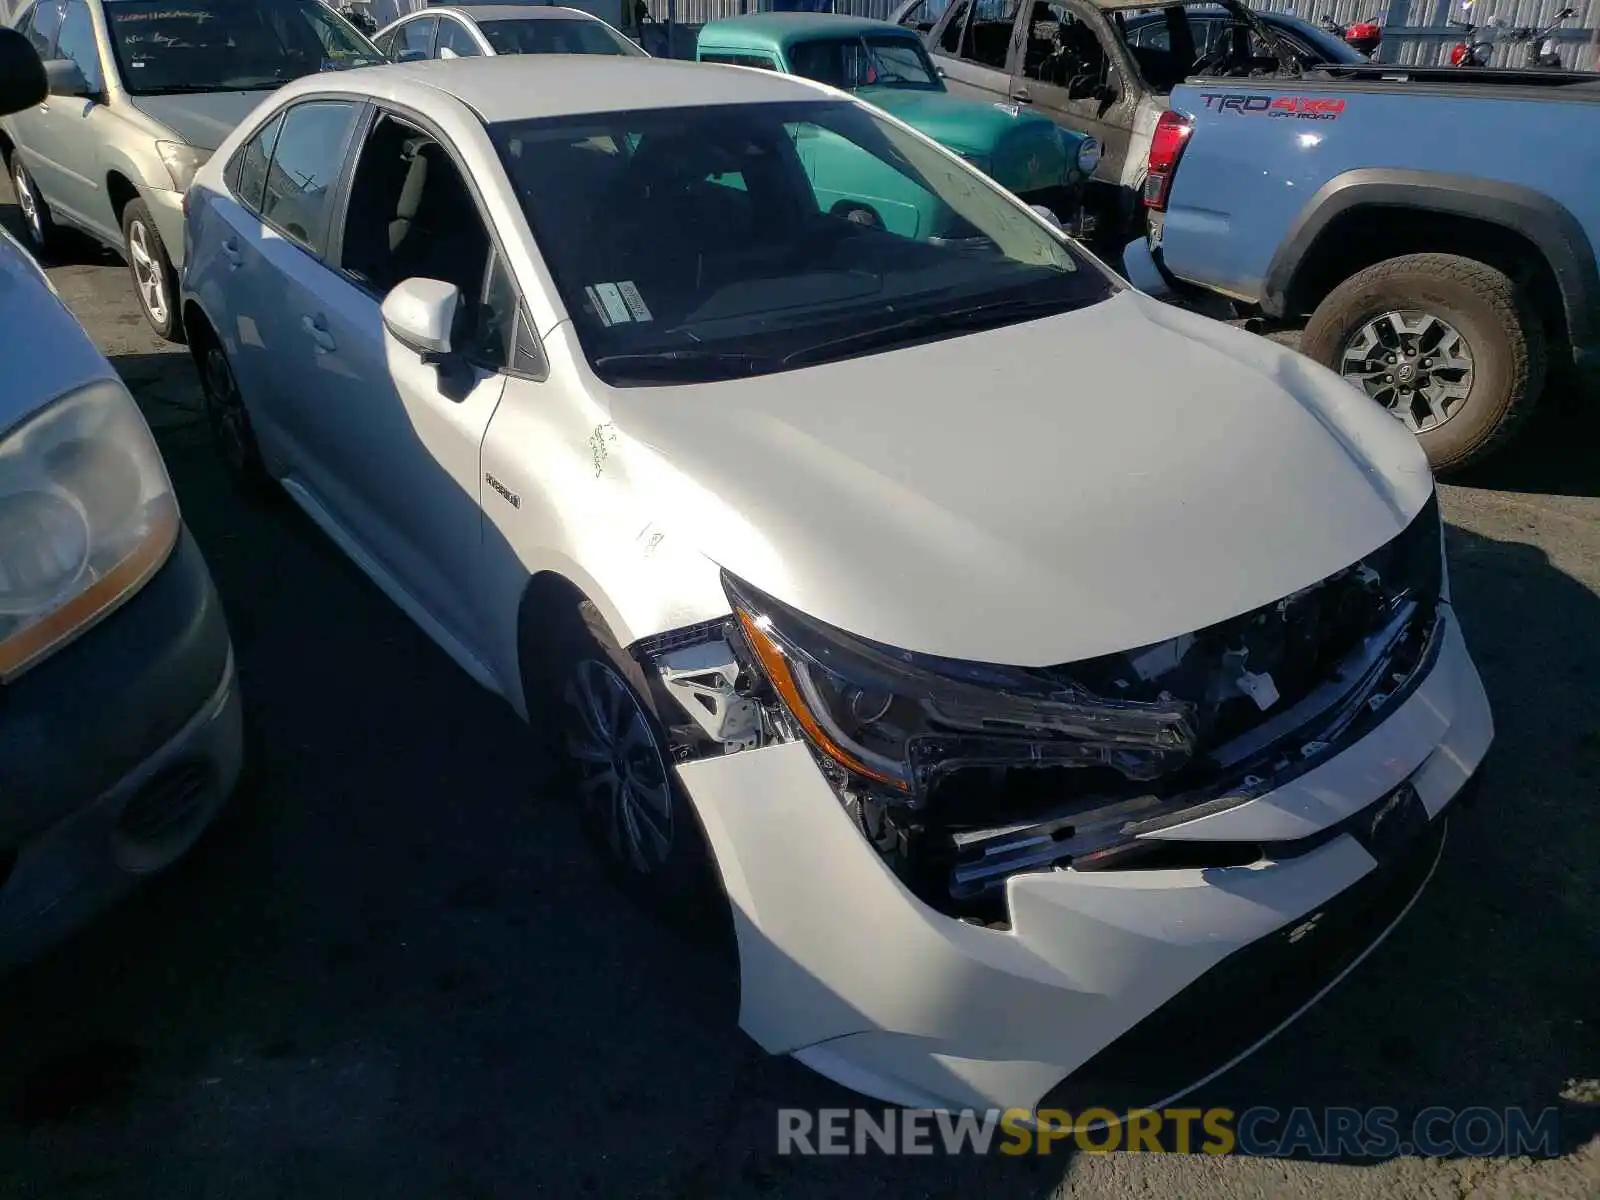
(87, 515)
(1088, 155)
(182, 161)
(896, 718)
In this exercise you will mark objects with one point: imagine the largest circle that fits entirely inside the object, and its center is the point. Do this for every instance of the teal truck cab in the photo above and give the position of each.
(888, 66)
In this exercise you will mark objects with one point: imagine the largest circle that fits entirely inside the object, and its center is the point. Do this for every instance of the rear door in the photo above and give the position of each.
(972, 43)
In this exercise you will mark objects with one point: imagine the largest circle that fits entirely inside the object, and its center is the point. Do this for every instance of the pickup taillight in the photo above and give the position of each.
(1166, 148)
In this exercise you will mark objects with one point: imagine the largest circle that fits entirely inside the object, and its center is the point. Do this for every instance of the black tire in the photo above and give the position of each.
(40, 226)
(155, 282)
(861, 214)
(232, 433)
(674, 874)
(1502, 332)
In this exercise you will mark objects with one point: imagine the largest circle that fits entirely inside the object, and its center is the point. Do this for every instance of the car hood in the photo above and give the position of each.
(60, 356)
(1032, 495)
(203, 120)
(961, 124)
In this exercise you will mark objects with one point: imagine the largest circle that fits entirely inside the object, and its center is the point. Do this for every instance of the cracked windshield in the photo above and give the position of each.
(228, 45)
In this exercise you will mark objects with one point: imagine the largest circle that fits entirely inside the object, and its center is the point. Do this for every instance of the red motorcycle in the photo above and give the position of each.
(1364, 35)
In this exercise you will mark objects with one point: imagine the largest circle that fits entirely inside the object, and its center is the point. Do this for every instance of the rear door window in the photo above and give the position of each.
(310, 153)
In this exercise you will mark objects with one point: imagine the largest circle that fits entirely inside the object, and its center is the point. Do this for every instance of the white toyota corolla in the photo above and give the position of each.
(1061, 689)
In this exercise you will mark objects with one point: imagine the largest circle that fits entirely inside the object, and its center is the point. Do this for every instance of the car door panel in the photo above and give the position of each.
(1091, 49)
(978, 68)
(70, 129)
(398, 452)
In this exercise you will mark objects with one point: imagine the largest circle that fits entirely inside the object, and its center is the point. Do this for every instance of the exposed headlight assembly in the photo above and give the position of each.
(897, 719)
(87, 515)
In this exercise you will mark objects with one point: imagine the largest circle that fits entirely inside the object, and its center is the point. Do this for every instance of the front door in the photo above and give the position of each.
(65, 129)
(400, 437)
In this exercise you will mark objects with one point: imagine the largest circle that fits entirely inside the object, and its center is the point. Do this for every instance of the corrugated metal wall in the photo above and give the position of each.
(1415, 31)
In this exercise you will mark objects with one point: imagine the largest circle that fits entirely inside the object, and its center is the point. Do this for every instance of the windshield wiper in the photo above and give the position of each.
(188, 89)
(952, 320)
(687, 365)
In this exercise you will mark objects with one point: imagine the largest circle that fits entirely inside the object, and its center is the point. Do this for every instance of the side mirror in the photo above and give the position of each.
(1050, 216)
(411, 56)
(420, 313)
(22, 79)
(66, 79)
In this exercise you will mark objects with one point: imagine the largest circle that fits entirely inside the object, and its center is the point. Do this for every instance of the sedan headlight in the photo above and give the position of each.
(898, 719)
(182, 161)
(87, 515)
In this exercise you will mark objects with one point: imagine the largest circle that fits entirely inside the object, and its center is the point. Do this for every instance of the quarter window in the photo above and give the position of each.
(306, 162)
(248, 174)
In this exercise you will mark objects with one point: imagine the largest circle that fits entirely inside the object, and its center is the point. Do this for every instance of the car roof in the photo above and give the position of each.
(777, 29)
(517, 87)
(506, 12)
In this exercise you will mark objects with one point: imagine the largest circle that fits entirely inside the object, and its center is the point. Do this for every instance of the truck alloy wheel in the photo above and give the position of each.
(1449, 345)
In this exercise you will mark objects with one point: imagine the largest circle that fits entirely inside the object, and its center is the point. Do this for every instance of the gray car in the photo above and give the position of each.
(141, 92)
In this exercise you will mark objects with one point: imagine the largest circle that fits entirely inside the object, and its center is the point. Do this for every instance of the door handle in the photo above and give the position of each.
(319, 333)
(231, 252)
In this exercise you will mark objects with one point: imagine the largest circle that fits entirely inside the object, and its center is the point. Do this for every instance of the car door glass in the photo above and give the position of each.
(924, 15)
(385, 43)
(454, 41)
(1063, 51)
(416, 37)
(46, 25)
(503, 339)
(247, 175)
(411, 214)
(305, 166)
(77, 43)
(950, 36)
(987, 40)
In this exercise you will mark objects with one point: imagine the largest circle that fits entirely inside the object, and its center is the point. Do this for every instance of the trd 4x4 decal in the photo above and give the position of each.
(1304, 108)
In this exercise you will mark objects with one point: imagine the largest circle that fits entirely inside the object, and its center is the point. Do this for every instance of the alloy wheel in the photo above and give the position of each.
(1415, 363)
(624, 780)
(28, 202)
(149, 274)
(230, 424)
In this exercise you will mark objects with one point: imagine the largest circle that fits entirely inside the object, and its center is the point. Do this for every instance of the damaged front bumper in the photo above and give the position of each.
(848, 970)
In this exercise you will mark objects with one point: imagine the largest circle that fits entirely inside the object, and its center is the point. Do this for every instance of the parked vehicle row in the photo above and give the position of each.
(1056, 690)
(120, 734)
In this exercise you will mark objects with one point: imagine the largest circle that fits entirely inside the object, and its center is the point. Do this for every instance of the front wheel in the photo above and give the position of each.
(1449, 345)
(154, 278)
(36, 219)
(620, 765)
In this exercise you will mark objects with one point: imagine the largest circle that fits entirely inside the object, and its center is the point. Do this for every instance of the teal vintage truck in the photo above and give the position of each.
(888, 66)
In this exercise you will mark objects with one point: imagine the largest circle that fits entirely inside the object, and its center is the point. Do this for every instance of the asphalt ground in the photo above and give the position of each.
(393, 969)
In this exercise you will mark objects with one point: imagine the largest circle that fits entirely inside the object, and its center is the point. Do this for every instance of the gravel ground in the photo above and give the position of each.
(394, 970)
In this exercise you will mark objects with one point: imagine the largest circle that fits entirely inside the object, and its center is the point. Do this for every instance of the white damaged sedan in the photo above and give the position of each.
(1062, 691)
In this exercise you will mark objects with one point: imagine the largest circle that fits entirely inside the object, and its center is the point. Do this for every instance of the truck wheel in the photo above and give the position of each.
(1449, 345)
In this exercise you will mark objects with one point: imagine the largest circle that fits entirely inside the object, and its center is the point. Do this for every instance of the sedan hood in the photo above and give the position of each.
(203, 120)
(1036, 494)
